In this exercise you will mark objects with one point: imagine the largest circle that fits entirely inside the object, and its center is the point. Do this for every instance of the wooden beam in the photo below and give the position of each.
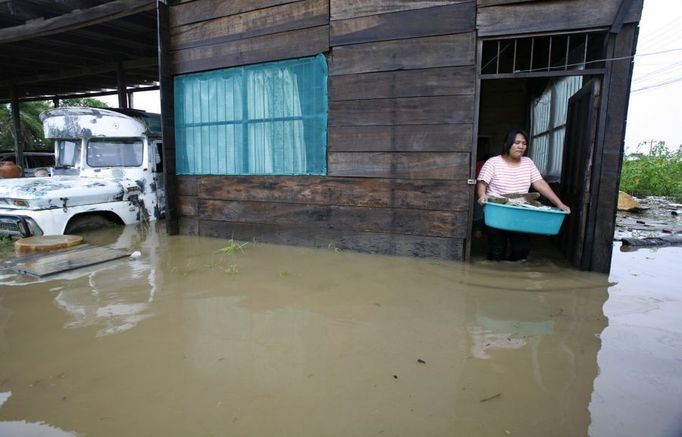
(285, 45)
(76, 19)
(167, 118)
(442, 20)
(405, 54)
(345, 9)
(608, 158)
(277, 19)
(16, 121)
(85, 71)
(552, 16)
(450, 81)
(194, 12)
(311, 236)
(417, 165)
(121, 86)
(430, 194)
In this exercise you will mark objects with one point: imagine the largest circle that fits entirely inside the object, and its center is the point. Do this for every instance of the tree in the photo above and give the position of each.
(31, 126)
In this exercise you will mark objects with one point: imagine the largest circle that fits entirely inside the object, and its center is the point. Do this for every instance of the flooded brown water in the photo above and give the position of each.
(187, 340)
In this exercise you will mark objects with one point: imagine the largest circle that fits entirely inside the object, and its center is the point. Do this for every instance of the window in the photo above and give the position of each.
(68, 153)
(121, 152)
(548, 125)
(265, 119)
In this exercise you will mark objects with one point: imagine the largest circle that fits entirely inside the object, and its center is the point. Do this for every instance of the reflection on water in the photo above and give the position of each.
(194, 338)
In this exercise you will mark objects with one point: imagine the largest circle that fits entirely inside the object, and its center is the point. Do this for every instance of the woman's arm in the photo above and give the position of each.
(543, 188)
(481, 188)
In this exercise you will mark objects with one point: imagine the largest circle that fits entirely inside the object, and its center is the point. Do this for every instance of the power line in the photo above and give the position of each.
(658, 85)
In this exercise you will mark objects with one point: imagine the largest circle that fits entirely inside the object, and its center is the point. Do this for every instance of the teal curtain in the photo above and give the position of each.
(265, 119)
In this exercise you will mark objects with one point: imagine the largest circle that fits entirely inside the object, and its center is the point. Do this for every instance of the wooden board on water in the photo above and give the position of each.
(66, 260)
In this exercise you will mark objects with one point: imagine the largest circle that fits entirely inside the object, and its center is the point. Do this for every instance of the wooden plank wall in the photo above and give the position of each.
(513, 17)
(400, 127)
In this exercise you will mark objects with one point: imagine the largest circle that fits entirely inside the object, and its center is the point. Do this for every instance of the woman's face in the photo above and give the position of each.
(519, 147)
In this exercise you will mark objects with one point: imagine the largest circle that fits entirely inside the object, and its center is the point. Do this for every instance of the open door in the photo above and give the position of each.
(581, 130)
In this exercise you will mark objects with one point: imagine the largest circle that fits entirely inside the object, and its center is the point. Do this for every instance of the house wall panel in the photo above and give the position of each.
(286, 45)
(402, 111)
(400, 165)
(290, 16)
(442, 195)
(551, 16)
(401, 138)
(363, 219)
(205, 10)
(450, 81)
(370, 242)
(442, 20)
(407, 54)
(343, 9)
(400, 123)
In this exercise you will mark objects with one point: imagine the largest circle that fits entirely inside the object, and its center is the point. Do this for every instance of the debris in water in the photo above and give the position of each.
(395, 376)
(495, 396)
(420, 361)
(136, 254)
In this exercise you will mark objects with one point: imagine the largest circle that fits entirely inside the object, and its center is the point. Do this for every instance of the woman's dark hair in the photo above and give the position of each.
(511, 137)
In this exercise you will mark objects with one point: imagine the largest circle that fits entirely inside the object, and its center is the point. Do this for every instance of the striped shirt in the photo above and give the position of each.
(504, 178)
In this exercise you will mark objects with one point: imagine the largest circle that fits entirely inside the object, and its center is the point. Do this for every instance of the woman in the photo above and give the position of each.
(512, 172)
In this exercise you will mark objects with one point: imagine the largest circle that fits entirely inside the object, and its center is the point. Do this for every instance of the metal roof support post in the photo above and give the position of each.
(16, 121)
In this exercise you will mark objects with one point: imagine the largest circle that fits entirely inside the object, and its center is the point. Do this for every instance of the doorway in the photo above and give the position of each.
(549, 85)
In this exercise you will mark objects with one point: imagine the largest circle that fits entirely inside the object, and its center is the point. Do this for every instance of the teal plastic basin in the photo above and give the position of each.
(522, 219)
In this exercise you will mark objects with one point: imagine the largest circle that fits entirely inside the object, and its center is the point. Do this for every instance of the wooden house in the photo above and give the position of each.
(346, 123)
(409, 94)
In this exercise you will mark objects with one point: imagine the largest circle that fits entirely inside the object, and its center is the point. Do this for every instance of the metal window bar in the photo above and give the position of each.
(580, 64)
(497, 58)
(514, 62)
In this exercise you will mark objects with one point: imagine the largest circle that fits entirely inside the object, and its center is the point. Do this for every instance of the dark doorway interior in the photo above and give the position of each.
(540, 105)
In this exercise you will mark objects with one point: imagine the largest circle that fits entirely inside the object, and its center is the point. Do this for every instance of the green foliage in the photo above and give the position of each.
(32, 136)
(31, 127)
(657, 174)
(84, 101)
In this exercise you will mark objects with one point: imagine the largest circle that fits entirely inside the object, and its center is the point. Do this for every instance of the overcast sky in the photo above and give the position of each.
(655, 111)
(656, 98)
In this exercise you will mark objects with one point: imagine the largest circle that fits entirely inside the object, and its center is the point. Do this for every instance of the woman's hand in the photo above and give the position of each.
(482, 199)
(564, 208)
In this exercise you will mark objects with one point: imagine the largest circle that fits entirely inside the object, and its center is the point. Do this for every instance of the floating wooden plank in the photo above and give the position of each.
(371, 242)
(63, 261)
(400, 165)
(393, 220)
(343, 9)
(409, 83)
(406, 54)
(666, 240)
(407, 24)
(292, 44)
(407, 138)
(46, 243)
(402, 111)
(551, 16)
(290, 16)
(381, 193)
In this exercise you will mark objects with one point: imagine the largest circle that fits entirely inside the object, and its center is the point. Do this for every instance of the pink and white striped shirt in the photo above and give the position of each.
(504, 178)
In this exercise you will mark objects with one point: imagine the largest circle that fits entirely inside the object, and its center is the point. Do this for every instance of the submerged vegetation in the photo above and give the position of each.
(658, 173)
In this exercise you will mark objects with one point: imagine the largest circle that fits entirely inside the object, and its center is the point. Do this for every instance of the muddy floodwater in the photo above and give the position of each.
(206, 337)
